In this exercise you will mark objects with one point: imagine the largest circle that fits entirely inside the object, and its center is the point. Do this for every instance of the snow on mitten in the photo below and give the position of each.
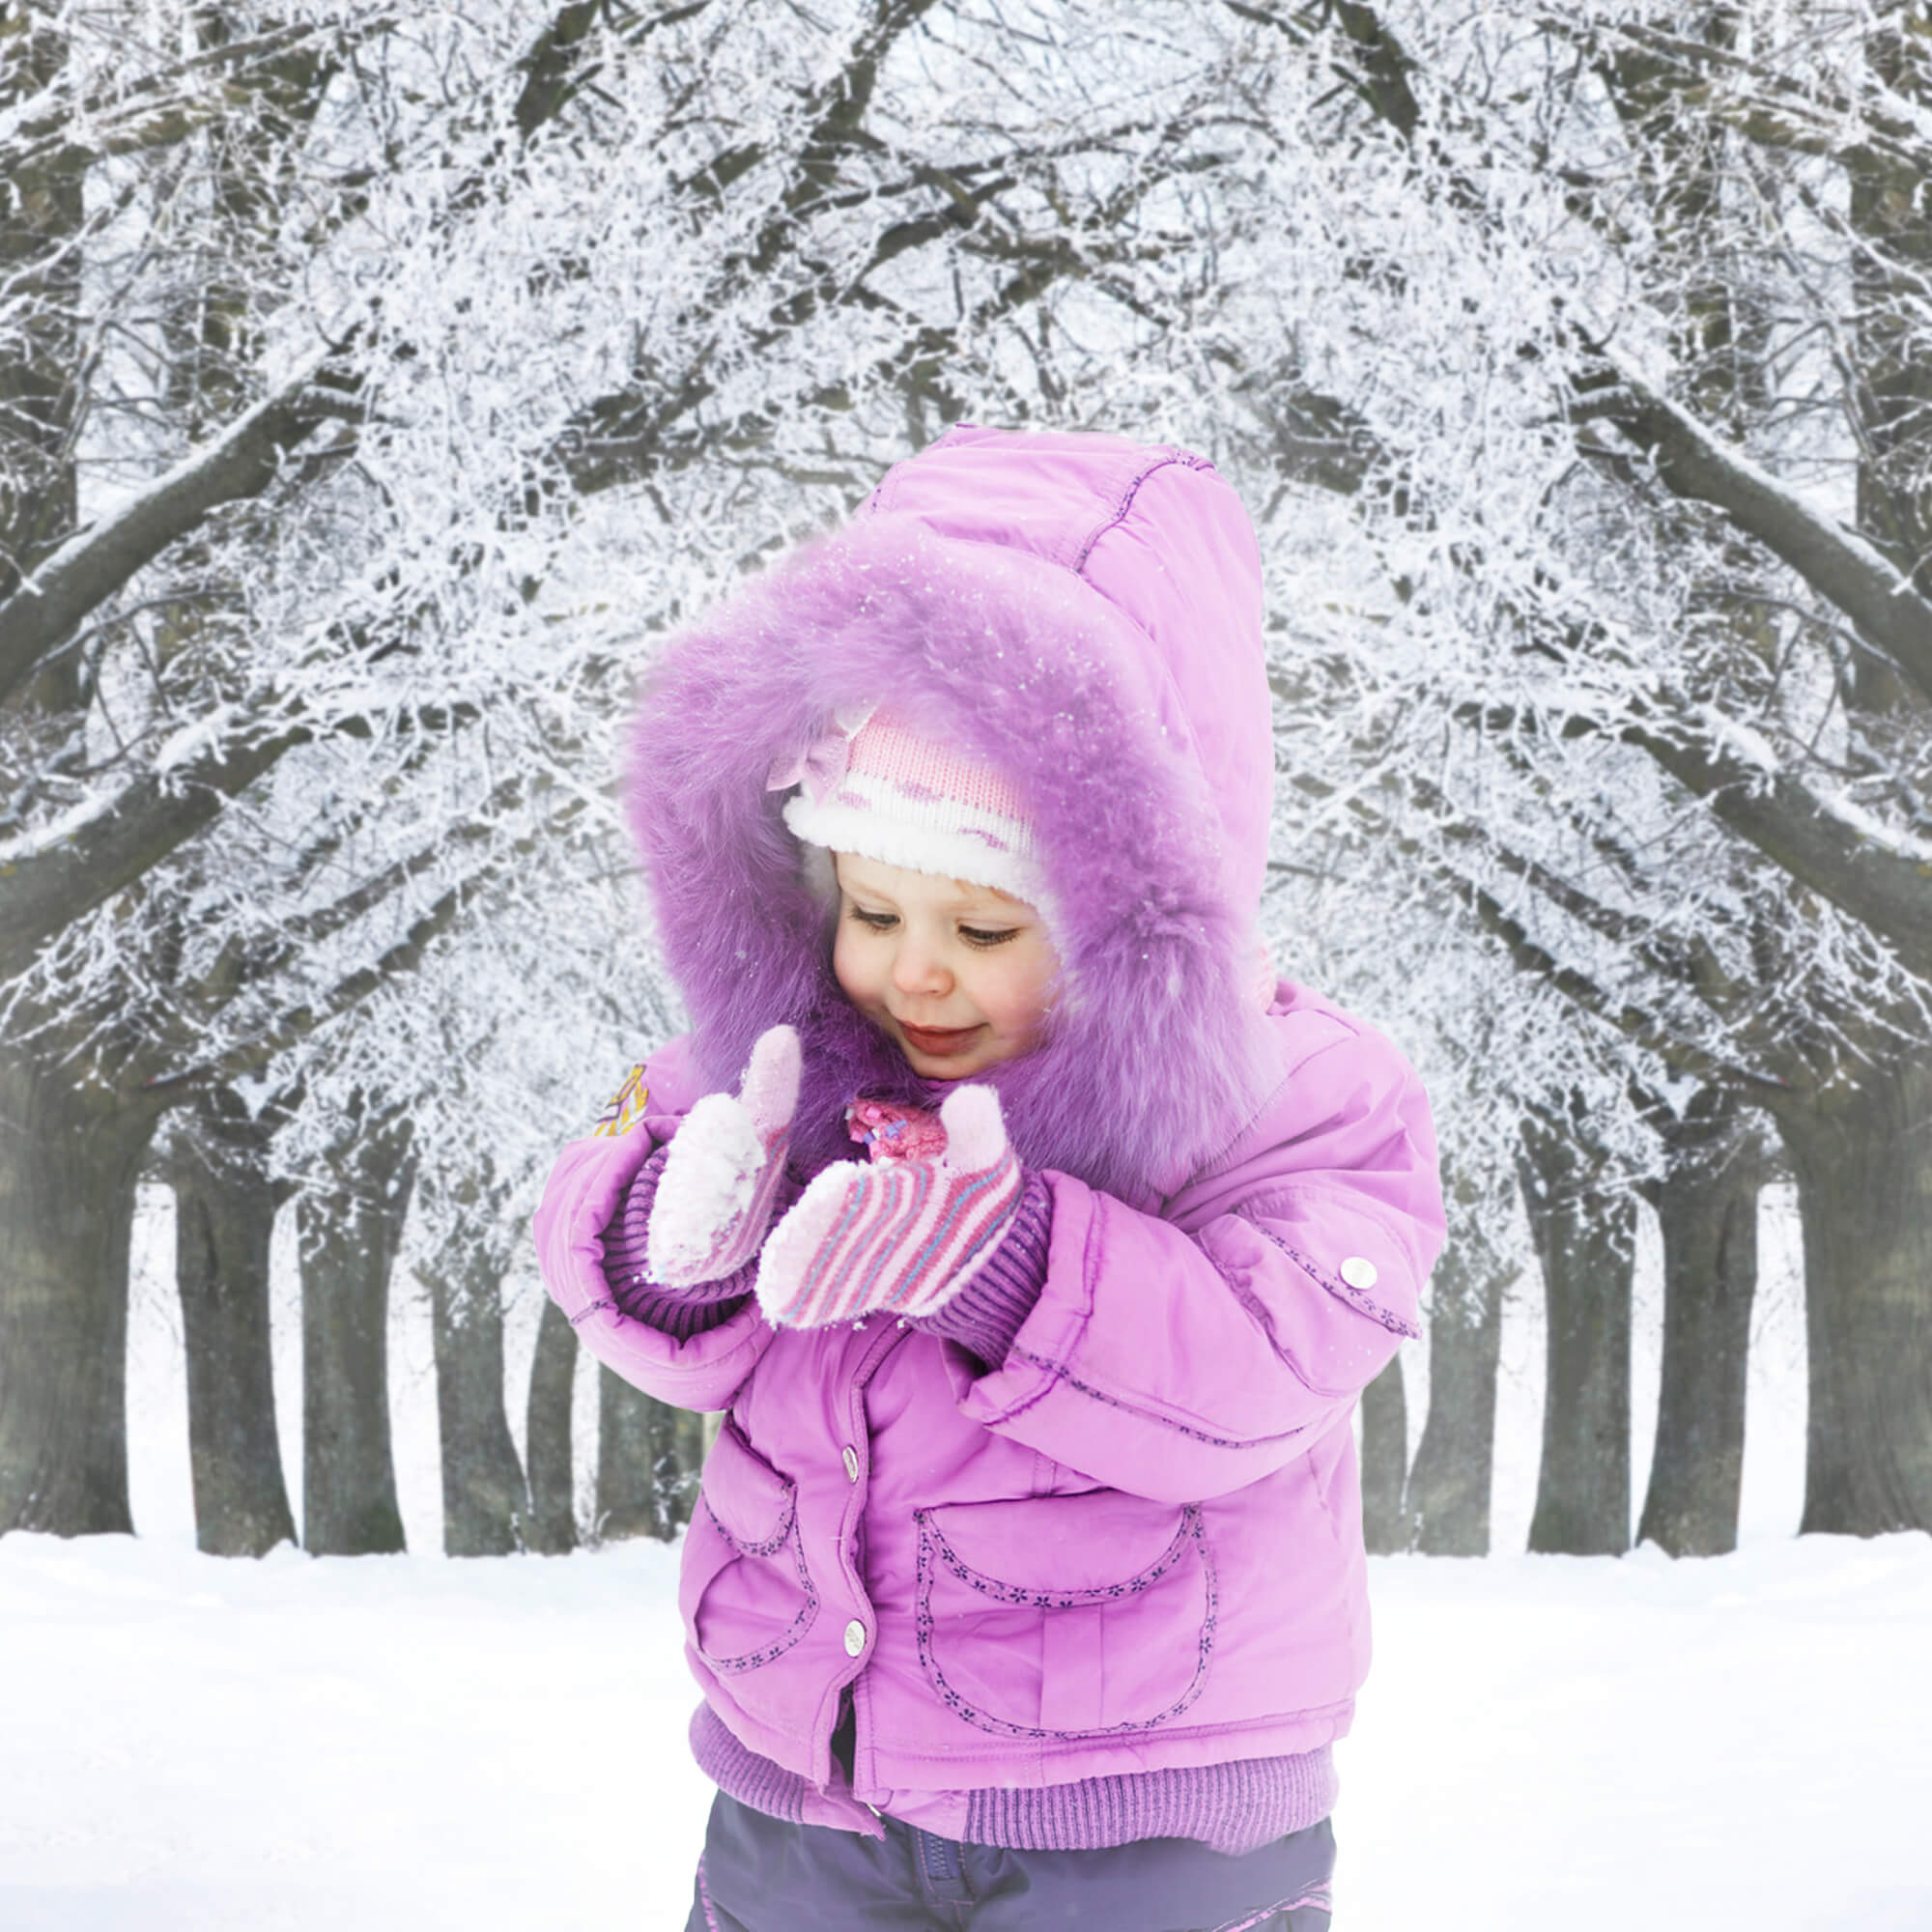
(723, 1170)
(900, 1236)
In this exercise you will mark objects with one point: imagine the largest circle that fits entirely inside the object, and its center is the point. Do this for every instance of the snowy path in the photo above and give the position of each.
(420, 1744)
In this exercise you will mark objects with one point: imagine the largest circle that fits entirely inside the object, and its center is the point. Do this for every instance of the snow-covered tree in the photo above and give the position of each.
(383, 381)
(1611, 330)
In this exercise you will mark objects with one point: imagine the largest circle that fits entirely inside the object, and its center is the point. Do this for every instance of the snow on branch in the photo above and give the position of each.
(52, 132)
(1882, 879)
(1577, 988)
(1839, 563)
(53, 875)
(95, 562)
(290, 1028)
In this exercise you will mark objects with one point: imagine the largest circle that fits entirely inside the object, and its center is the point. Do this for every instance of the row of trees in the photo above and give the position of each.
(371, 386)
(1677, 780)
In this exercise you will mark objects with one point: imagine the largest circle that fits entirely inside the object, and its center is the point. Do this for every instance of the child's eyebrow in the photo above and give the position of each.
(975, 912)
(984, 905)
(988, 911)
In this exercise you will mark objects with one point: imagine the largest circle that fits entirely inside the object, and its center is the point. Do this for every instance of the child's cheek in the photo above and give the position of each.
(1026, 998)
(848, 965)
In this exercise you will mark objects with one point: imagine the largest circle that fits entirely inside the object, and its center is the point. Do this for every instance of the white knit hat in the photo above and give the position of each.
(874, 787)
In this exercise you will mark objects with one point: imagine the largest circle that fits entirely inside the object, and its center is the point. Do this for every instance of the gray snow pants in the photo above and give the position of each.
(761, 1874)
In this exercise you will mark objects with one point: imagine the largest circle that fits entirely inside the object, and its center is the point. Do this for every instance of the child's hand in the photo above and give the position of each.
(900, 1236)
(723, 1170)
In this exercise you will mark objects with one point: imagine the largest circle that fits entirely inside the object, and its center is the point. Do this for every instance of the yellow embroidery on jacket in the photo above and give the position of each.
(626, 1108)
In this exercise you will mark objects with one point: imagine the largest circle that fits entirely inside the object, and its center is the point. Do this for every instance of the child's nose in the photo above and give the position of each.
(919, 968)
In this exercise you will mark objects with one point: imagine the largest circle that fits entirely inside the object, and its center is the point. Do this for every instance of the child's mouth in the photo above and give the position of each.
(939, 1043)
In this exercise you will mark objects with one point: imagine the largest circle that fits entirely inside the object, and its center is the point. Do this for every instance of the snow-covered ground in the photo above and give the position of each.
(1545, 1743)
(498, 1747)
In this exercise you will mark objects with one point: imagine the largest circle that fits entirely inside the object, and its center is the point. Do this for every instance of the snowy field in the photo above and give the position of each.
(1545, 1743)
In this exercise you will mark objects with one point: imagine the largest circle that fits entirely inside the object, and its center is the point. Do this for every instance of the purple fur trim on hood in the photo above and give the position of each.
(1084, 614)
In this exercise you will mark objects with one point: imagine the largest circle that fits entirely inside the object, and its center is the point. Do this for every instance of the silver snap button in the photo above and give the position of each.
(1358, 1271)
(851, 1462)
(855, 1637)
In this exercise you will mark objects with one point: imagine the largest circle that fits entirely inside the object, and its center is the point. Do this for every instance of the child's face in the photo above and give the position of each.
(960, 976)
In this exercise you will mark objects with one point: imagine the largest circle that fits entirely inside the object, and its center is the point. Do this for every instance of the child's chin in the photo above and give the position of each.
(929, 1068)
(948, 1066)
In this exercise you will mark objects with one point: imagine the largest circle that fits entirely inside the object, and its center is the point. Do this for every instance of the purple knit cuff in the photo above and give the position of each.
(740, 1772)
(678, 1312)
(1234, 1808)
(986, 1314)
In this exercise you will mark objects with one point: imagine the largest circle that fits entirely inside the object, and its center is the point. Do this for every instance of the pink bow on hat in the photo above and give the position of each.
(823, 762)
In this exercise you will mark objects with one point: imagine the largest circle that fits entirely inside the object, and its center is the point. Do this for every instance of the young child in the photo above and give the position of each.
(1045, 1243)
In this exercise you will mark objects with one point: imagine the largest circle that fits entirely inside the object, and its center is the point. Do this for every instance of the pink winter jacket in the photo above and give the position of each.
(1134, 1544)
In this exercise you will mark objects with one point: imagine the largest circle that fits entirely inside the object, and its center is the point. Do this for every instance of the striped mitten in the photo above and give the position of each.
(900, 1236)
(723, 1170)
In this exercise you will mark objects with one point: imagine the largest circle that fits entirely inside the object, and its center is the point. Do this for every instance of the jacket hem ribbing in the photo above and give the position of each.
(1234, 1808)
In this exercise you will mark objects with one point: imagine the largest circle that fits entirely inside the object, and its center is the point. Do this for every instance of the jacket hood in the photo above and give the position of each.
(1082, 612)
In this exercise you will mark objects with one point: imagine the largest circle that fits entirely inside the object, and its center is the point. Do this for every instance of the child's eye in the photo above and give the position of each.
(875, 921)
(984, 936)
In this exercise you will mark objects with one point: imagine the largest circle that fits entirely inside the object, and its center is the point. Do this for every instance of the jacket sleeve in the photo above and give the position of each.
(583, 1197)
(1183, 1357)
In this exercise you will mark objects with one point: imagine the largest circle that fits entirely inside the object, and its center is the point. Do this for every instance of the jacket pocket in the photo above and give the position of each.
(743, 1589)
(1066, 1616)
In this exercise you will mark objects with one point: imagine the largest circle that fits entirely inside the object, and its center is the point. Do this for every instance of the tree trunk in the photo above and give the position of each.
(1384, 1461)
(648, 1455)
(1857, 1145)
(69, 1147)
(349, 1234)
(484, 1501)
(69, 1156)
(553, 1525)
(225, 1222)
(1707, 1214)
(1586, 1242)
(42, 214)
(1864, 1195)
(1448, 1502)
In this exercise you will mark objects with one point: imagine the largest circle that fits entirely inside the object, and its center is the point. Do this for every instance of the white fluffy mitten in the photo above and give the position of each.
(723, 1170)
